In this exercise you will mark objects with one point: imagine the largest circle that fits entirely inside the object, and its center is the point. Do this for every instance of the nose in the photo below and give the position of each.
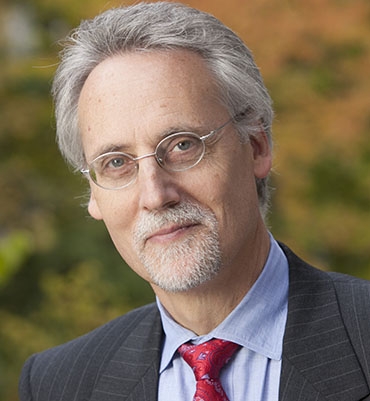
(157, 187)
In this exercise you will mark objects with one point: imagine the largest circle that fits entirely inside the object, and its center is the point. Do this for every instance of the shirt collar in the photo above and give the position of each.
(257, 323)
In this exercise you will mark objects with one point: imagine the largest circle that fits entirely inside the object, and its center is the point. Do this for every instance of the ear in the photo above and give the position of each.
(262, 155)
(93, 207)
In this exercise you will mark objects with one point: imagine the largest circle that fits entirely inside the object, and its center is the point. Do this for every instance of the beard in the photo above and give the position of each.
(187, 262)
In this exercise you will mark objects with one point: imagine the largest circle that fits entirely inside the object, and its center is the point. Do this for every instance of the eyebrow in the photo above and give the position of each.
(124, 148)
(107, 149)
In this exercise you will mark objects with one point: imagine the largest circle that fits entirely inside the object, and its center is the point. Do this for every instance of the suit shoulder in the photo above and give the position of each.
(352, 292)
(78, 363)
(353, 295)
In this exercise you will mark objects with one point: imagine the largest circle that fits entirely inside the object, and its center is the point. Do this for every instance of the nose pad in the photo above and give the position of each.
(158, 188)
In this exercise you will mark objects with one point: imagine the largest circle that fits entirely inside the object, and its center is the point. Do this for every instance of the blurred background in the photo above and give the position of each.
(59, 273)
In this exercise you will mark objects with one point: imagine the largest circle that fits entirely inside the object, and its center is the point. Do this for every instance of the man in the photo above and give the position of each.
(164, 111)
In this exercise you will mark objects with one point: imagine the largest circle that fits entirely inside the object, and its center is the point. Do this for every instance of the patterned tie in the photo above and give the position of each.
(207, 360)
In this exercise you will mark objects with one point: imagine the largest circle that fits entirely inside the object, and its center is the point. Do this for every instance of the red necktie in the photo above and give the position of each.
(207, 360)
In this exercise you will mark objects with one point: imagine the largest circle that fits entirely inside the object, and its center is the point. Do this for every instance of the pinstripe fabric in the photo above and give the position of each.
(319, 362)
(354, 301)
(114, 362)
(326, 354)
(136, 358)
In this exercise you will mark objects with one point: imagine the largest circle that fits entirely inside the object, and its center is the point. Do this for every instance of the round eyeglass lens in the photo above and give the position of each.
(180, 151)
(113, 170)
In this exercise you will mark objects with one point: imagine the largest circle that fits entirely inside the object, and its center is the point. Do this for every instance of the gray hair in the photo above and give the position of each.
(161, 26)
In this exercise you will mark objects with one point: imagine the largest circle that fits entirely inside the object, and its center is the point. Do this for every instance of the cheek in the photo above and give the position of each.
(230, 180)
(230, 191)
(119, 219)
(114, 209)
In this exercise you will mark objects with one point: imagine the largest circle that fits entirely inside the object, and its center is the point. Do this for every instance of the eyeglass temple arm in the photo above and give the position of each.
(237, 118)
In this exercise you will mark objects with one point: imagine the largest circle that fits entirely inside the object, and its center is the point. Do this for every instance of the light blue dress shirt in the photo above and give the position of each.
(257, 324)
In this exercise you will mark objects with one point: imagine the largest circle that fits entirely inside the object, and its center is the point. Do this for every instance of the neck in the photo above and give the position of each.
(203, 308)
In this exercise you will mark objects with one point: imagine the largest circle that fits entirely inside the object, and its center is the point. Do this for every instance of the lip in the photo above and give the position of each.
(170, 233)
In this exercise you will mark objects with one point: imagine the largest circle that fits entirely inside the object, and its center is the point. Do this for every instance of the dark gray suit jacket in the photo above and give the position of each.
(326, 353)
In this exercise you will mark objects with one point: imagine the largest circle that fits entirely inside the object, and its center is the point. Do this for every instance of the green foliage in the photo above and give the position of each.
(13, 251)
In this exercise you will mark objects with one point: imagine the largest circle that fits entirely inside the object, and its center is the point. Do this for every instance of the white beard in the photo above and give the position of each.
(186, 263)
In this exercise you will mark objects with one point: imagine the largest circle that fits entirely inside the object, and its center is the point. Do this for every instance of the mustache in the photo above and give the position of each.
(185, 213)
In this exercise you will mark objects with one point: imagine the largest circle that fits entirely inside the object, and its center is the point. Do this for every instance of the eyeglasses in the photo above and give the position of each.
(177, 152)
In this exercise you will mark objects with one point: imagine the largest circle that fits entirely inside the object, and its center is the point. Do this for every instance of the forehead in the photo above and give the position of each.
(135, 96)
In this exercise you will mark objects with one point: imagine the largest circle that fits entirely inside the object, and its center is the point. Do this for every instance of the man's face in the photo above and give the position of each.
(178, 230)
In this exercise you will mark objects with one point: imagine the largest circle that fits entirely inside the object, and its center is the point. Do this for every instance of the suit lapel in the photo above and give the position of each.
(132, 373)
(319, 362)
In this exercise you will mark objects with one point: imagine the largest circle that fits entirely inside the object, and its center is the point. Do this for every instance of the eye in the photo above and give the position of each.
(180, 150)
(183, 145)
(114, 164)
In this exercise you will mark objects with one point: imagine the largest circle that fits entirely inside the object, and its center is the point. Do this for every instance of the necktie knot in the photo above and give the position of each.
(207, 360)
